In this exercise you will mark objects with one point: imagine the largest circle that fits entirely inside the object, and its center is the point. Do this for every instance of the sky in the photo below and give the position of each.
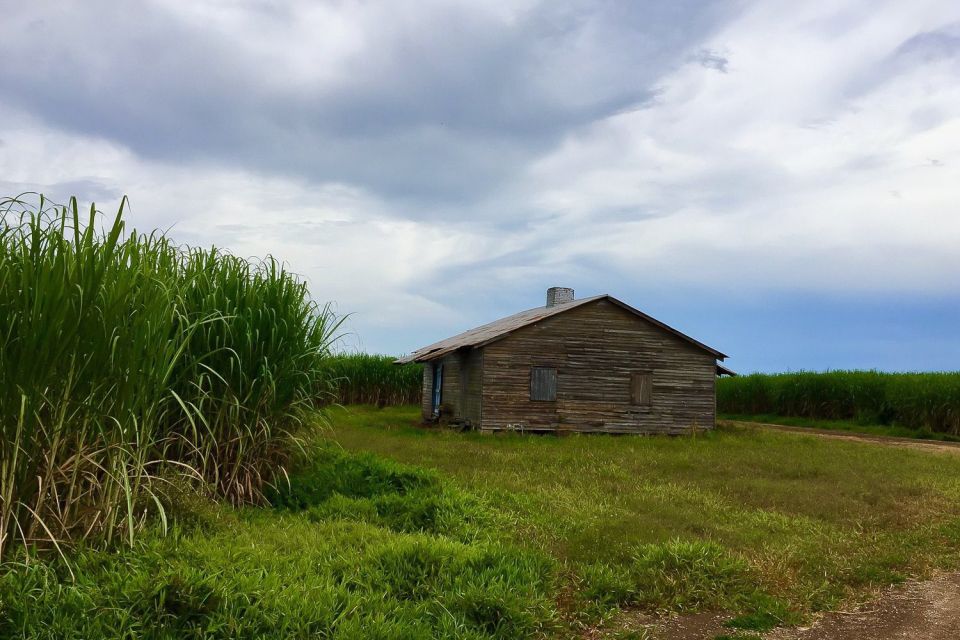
(780, 180)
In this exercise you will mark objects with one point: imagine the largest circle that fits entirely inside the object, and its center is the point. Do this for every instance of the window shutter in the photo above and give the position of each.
(543, 384)
(641, 389)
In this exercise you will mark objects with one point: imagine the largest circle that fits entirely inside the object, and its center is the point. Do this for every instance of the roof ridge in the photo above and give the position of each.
(493, 331)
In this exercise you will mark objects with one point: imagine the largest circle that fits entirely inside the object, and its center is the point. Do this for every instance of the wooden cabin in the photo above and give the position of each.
(594, 364)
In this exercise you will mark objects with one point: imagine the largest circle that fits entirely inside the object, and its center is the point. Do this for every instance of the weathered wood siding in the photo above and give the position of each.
(462, 376)
(595, 349)
(471, 381)
(426, 401)
(450, 394)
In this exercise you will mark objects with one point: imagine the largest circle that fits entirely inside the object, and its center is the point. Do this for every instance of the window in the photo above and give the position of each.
(641, 389)
(543, 384)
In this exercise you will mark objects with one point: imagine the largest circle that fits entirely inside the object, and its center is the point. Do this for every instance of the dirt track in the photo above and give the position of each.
(887, 441)
(928, 610)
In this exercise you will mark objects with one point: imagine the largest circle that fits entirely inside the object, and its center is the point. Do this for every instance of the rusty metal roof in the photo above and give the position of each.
(498, 329)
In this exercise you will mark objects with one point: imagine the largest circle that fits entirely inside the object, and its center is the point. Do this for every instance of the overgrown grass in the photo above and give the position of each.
(512, 536)
(285, 578)
(922, 401)
(332, 484)
(768, 525)
(124, 358)
(361, 378)
(356, 547)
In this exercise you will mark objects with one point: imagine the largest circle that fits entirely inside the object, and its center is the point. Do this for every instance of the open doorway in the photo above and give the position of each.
(437, 388)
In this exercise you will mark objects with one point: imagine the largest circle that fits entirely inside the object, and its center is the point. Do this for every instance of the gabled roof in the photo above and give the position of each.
(485, 334)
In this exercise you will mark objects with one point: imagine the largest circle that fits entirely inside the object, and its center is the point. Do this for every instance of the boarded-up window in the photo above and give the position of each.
(543, 384)
(641, 389)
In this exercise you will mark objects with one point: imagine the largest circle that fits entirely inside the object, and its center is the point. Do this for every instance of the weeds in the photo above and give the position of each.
(291, 572)
(674, 576)
(334, 485)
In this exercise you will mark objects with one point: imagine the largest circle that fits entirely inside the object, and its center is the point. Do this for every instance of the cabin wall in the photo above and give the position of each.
(460, 392)
(450, 394)
(595, 349)
(426, 399)
(471, 384)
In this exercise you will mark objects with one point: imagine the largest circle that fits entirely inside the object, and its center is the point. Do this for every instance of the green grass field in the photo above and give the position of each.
(388, 530)
(817, 522)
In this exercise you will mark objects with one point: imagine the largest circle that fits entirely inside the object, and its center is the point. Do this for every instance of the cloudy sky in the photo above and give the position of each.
(779, 179)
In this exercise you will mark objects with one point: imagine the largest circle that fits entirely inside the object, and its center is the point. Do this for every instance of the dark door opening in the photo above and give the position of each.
(437, 388)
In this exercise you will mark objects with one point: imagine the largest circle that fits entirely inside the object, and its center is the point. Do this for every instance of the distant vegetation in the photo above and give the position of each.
(125, 358)
(918, 401)
(370, 379)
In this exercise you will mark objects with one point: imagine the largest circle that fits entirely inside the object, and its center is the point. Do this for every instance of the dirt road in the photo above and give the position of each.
(927, 610)
(920, 610)
(888, 441)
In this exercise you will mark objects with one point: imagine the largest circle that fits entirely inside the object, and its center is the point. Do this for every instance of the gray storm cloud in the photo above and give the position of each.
(426, 101)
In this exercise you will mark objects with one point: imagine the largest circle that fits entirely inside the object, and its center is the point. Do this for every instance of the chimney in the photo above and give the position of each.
(559, 295)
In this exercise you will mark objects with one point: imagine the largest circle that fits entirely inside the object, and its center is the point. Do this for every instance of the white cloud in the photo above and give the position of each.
(786, 171)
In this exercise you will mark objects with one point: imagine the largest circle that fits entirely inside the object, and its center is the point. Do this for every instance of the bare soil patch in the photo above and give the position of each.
(915, 610)
(927, 610)
(692, 626)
